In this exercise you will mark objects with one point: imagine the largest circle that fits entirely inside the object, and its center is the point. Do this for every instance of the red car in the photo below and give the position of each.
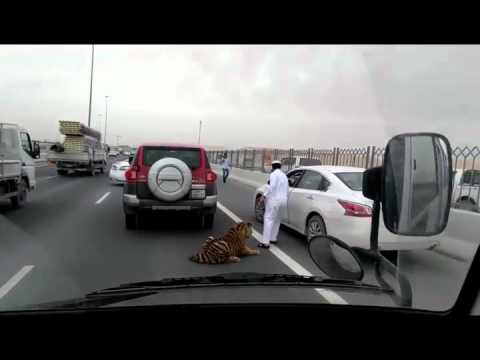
(170, 177)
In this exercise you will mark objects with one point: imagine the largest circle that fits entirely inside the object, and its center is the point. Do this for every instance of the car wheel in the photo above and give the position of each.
(390, 255)
(208, 220)
(20, 199)
(315, 226)
(259, 209)
(467, 204)
(131, 221)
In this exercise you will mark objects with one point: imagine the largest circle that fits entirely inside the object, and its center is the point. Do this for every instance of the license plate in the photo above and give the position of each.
(198, 194)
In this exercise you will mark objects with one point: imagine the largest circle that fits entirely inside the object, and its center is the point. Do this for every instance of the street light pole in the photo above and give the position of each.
(91, 84)
(199, 131)
(106, 116)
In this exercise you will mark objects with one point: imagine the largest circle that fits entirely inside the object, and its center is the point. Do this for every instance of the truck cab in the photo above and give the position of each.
(17, 162)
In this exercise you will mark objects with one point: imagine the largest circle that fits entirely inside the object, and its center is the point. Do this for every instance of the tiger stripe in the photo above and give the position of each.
(219, 250)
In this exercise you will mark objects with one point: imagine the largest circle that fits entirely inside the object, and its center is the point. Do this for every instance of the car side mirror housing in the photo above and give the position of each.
(36, 150)
(414, 185)
(335, 258)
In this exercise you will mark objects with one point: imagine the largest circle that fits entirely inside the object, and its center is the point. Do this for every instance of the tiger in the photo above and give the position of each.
(228, 248)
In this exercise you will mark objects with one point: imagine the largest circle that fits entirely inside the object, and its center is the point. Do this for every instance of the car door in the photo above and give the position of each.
(303, 196)
(294, 177)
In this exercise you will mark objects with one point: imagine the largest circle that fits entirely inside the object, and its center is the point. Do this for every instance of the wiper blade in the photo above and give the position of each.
(232, 279)
(131, 291)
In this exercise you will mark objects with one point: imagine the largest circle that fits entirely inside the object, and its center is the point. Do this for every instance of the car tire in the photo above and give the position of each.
(208, 220)
(259, 209)
(390, 255)
(131, 221)
(315, 222)
(20, 199)
(62, 172)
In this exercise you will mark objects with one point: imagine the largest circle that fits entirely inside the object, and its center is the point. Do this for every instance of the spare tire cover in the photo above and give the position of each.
(169, 179)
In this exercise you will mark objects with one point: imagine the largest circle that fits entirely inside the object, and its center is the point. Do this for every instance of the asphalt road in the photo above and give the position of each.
(70, 239)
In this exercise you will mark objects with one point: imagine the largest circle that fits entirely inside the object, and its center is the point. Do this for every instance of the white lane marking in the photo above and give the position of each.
(328, 295)
(47, 178)
(14, 280)
(102, 198)
(332, 297)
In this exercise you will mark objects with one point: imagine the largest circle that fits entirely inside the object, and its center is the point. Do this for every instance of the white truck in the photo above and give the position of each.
(17, 163)
(81, 151)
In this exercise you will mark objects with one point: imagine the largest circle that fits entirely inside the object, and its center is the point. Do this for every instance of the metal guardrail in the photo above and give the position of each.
(466, 162)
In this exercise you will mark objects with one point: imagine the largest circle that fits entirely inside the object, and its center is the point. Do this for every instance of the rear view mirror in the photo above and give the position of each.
(417, 184)
(130, 159)
(36, 150)
(335, 258)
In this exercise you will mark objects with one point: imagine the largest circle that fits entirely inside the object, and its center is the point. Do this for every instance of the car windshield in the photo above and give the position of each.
(353, 180)
(191, 157)
(102, 203)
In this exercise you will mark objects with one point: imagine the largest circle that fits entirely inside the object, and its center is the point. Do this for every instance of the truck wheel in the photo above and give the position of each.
(62, 172)
(131, 221)
(208, 220)
(20, 199)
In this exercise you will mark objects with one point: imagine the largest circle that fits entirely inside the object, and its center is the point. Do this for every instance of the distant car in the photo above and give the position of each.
(329, 199)
(117, 172)
(466, 190)
(113, 153)
(170, 177)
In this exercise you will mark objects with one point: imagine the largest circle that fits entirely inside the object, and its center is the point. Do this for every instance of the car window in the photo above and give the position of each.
(26, 144)
(471, 177)
(311, 180)
(191, 157)
(354, 180)
(294, 177)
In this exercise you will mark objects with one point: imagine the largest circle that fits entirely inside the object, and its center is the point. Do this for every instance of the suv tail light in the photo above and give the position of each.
(355, 209)
(131, 174)
(211, 176)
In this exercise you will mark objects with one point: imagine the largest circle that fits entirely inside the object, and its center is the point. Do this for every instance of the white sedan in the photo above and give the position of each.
(329, 199)
(117, 172)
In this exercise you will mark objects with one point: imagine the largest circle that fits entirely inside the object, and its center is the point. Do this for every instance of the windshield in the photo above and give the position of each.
(101, 206)
(353, 180)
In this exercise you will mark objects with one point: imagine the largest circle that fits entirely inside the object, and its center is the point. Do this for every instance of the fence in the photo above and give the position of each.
(465, 161)
(261, 159)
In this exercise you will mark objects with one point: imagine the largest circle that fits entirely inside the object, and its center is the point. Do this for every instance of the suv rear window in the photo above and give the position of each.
(191, 157)
(353, 180)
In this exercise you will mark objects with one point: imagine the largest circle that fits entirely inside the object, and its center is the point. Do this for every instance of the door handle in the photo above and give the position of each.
(309, 197)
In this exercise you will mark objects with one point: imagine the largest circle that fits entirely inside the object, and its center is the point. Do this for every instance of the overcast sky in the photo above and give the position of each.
(273, 96)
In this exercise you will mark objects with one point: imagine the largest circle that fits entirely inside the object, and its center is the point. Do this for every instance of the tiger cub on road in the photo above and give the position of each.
(228, 248)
